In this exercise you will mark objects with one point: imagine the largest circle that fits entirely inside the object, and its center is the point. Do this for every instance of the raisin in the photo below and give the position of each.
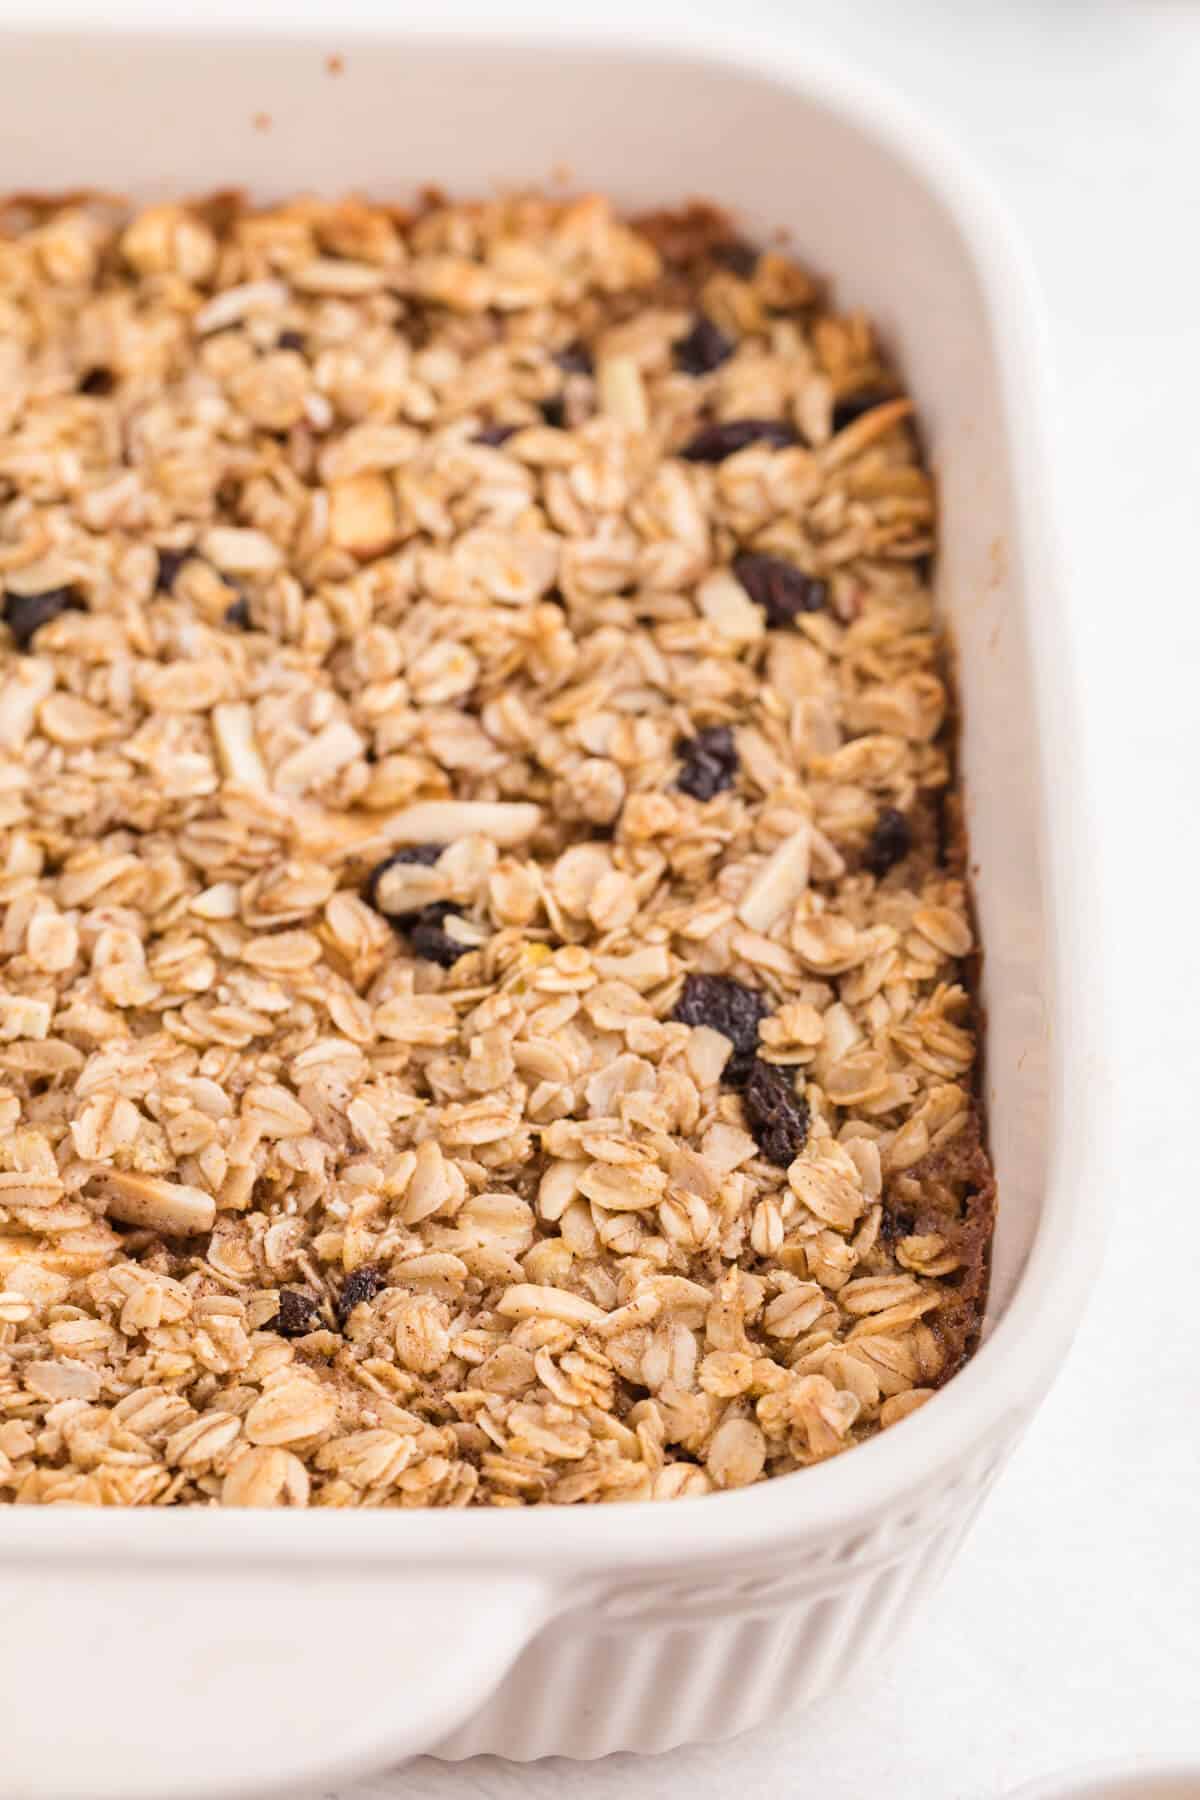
(855, 405)
(495, 434)
(169, 564)
(889, 843)
(364, 1284)
(895, 1221)
(731, 1009)
(290, 340)
(775, 1113)
(298, 1314)
(97, 381)
(780, 588)
(427, 938)
(237, 614)
(738, 256)
(555, 412)
(710, 762)
(576, 359)
(25, 614)
(704, 348)
(425, 854)
(713, 443)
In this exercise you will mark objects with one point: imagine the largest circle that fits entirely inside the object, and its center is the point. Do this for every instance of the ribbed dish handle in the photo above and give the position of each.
(154, 1681)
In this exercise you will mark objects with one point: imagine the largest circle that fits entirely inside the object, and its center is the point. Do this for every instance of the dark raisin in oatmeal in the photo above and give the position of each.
(780, 588)
(889, 843)
(776, 1115)
(704, 348)
(709, 762)
(713, 443)
(25, 614)
(298, 1314)
(364, 1284)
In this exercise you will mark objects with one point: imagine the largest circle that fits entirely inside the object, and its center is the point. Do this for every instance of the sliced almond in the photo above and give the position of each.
(525, 1301)
(728, 608)
(779, 883)
(503, 822)
(237, 747)
(333, 747)
(621, 391)
(237, 302)
(156, 1205)
(238, 550)
(863, 431)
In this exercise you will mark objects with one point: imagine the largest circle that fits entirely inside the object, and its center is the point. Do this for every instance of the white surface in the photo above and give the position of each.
(1069, 1627)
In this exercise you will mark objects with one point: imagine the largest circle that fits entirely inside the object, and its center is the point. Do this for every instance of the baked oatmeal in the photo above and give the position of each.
(485, 1013)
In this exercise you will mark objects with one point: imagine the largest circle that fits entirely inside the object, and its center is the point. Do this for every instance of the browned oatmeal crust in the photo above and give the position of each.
(485, 1008)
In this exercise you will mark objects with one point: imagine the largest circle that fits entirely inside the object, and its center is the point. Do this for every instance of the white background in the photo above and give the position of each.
(1069, 1628)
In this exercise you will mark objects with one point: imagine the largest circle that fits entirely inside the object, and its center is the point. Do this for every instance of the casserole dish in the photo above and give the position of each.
(262, 1652)
(1139, 1779)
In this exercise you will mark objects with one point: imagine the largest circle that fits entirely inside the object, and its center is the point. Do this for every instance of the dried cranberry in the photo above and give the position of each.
(704, 348)
(290, 340)
(424, 854)
(780, 588)
(169, 564)
(778, 1118)
(710, 762)
(576, 359)
(713, 443)
(364, 1284)
(855, 405)
(889, 842)
(25, 614)
(495, 434)
(731, 1009)
(237, 614)
(298, 1314)
(97, 381)
(427, 938)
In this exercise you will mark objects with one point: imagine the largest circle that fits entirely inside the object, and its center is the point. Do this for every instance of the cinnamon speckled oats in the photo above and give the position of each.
(483, 1016)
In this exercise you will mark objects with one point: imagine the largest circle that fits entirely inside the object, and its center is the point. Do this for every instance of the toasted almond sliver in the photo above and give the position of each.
(622, 394)
(235, 303)
(239, 550)
(233, 728)
(333, 747)
(863, 431)
(504, 822)
(156, 1205)
(525, 1301)
(779, 883)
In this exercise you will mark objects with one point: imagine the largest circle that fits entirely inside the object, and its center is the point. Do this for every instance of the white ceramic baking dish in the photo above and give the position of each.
(1140, 1778)
(205, 1652)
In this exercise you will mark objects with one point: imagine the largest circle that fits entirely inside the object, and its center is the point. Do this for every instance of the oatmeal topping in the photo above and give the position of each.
(483, 1016)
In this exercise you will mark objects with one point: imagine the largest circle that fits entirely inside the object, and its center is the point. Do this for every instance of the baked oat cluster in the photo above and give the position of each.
(482, 1015)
